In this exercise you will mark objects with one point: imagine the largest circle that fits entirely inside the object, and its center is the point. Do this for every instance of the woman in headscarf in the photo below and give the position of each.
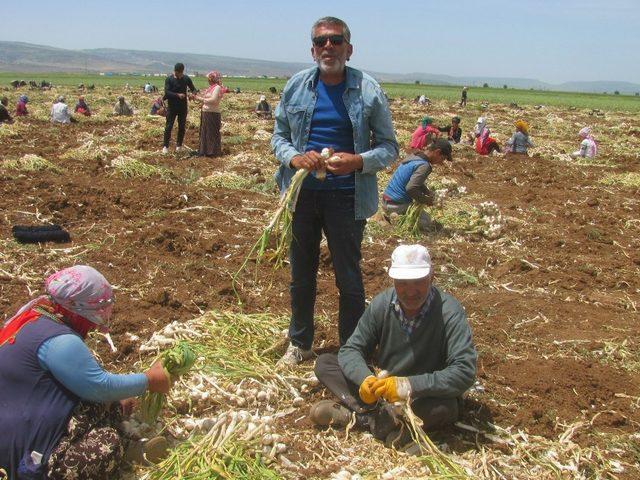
(58, 417)
(82, 108)
(484, 144)
(424, 135)
(588, 146)
(210, 120)
(519, 141)
(158, 108)
(21, 106)
(263, 109)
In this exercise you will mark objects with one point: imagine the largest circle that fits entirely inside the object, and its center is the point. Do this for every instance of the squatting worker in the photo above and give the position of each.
(334, 106)
(417, 333)
(57, 416)
(175, 93)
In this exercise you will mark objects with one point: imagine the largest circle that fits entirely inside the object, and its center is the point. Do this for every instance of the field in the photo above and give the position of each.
(477, 95)
(552, 298)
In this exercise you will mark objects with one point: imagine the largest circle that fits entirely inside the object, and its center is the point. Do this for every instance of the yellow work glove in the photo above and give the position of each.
(392, 389)
(366, 390)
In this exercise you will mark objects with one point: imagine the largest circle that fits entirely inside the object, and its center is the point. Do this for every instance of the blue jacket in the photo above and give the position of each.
(370, 117)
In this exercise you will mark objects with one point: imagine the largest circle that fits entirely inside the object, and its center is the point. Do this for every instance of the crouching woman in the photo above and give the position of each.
(59, 409)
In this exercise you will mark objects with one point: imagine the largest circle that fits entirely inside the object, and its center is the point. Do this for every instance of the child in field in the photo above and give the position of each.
(263, 109)
(453, 131)
(424, 135)
(408, 181)
(588, 146)
(519, 141)
(21, 107)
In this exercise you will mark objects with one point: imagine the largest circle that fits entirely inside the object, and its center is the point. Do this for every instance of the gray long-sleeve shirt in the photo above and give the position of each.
(519, 142)
(439, 357)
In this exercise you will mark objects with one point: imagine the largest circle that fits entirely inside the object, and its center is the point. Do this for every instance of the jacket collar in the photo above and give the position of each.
(351, 78)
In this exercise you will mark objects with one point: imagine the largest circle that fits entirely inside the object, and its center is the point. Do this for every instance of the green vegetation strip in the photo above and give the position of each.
(236, 345)
(29, 163)
(629, 179)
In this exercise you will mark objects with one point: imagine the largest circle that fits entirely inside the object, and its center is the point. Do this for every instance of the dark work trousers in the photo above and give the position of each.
(434, 412)
(331, 212)
(182, 124)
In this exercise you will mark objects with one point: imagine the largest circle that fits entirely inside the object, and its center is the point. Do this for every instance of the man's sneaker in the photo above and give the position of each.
(165, 150)
(294, 355)
(179, 148)
(328, 412)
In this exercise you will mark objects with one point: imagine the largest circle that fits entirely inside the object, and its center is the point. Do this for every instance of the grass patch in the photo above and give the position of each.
(229, 180)
(30, 163)
(132, 168)
(629, 179)
(235, 140)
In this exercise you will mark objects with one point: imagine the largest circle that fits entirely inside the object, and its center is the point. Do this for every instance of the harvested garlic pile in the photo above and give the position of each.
(450, 188)
(169, 335)
(491, 220)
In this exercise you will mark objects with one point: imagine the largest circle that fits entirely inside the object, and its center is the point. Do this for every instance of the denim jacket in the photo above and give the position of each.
(370, 117)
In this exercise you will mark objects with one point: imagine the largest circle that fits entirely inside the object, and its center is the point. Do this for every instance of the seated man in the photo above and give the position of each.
(5, 116)
(420, 337)
(60, 112)
(263, 109)
(408, 181)
(122, 107)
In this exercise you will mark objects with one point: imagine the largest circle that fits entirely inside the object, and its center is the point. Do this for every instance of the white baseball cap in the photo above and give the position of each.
(410, 262)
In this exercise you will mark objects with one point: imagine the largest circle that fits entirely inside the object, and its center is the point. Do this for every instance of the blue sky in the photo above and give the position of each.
(550, 40)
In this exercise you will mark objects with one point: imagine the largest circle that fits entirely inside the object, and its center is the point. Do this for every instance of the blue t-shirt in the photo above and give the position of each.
(330, 128)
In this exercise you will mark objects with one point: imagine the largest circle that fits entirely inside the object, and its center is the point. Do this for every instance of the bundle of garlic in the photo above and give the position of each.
(491, 221)
(448, 188)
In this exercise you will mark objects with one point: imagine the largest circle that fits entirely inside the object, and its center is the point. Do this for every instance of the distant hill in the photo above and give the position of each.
(26, 57)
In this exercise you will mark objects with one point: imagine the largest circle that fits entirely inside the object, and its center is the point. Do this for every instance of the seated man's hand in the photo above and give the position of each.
(343, 163)
(366, 390)
(392, 389)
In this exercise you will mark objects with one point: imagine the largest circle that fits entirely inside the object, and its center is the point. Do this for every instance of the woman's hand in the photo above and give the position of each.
(158, 378)
(127, 405)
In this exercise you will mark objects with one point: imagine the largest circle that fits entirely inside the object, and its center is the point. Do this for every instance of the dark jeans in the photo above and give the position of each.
(434, 412)
(182, 124)
(331, 212)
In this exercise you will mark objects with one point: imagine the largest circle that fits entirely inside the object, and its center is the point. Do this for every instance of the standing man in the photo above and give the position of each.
(463, 97)
(175, 92)
(342, 108)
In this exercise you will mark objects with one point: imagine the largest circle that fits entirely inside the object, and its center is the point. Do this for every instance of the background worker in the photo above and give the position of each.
(175, 93)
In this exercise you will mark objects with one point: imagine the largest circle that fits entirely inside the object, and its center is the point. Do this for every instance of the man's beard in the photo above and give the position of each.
(336, 67)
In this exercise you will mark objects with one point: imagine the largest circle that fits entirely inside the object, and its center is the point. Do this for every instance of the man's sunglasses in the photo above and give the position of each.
(321, 40)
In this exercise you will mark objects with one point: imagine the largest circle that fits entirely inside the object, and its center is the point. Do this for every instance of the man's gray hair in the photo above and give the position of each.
(333, 21)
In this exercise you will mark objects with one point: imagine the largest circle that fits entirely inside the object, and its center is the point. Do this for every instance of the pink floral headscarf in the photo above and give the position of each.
(214, 76)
